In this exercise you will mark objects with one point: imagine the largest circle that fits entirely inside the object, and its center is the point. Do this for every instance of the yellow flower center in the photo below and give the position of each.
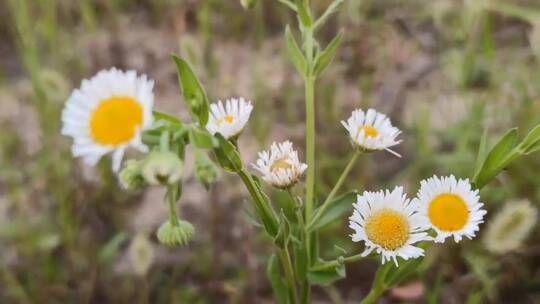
(227, 118)
(369, 131)
(116, 120)
(388, 229)
(448, 212)
(281, 163)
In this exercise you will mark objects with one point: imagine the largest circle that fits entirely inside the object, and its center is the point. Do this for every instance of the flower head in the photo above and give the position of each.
(175, 235)
(371, 131)
(388, 223)
(107, 114)
(451, 206)
(229, 119)
(509, 228)
(162, 168)
(280, 166)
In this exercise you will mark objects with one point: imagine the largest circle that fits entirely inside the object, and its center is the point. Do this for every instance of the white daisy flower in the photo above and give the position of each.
(280, 166)
(451, 206)
(107, 114)
(229, 119)
(388, 223)
(371, 131)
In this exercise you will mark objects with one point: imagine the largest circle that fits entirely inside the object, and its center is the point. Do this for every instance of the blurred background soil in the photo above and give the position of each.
(445, 71)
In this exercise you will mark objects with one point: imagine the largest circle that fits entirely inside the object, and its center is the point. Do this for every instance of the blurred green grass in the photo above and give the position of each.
(446, 73)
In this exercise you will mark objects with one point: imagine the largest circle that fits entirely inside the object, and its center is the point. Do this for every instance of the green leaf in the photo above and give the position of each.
(282, 238)
(531, 142)
(166, 117)
(302, 8)
(227, 155)
(112, 247)
(325, 57)
(326, 276)
(250, 218)
(482, 152)
(332, 9)
(497, 159)
(192, 90)
(336, 209)
(396, 275)
(296, 55)
(274, 276)
(200, 138)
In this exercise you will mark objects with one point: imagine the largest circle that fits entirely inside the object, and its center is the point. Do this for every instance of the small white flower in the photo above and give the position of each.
(229, 119)
(451, 206)
(509, 228)
(107, 114)
(389, 223)
(280, 166)
(371, 131)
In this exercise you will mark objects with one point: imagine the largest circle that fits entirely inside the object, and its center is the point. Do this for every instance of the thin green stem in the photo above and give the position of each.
(171, 198)
(334, 191)
(285, 258)
(310, 145)
(372, 296)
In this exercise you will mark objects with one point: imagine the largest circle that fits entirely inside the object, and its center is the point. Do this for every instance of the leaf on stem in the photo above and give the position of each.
(326, 275)
(336, 209)
(274, 276)
(227, 155)
(200, 138)
(192, 90)
(295, 53)
(325, 57)
(332, 9)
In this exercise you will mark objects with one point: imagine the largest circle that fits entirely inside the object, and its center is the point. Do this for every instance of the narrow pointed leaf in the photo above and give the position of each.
(296, 55)
(326, 56)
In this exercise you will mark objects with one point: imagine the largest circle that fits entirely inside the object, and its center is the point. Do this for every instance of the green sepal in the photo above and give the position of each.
(193, 92)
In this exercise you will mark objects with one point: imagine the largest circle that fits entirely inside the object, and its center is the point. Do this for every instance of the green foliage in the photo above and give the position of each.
(274, 275)
(338, 207)
(325, 57)
(193, 92)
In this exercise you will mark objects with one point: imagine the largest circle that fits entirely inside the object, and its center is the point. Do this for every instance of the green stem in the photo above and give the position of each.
(171, 198)
(310, 145)
(337, 186)
(285, 258)
(266, 213)
(334, 263)
(372, 296)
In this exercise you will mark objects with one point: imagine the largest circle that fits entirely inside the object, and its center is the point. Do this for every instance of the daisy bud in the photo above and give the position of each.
(173, 236)
(509, 228)
(141, 254)
(280, 166)
(131, 176)
(205, 171)
(162, 168)
(371, 131)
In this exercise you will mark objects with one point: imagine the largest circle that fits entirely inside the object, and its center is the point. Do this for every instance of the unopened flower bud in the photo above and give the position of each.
(162, 168)
(131, 176)
(175, 235)
(141, 254)
(205, 171)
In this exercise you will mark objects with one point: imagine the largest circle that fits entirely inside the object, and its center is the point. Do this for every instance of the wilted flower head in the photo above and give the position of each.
(175, 235)
(509, 228)
(371, 130)
(389, 223)
(107, 114)
(451, 206)
(162, 168)
(229, 119)
(280, 166)
(141, 254)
